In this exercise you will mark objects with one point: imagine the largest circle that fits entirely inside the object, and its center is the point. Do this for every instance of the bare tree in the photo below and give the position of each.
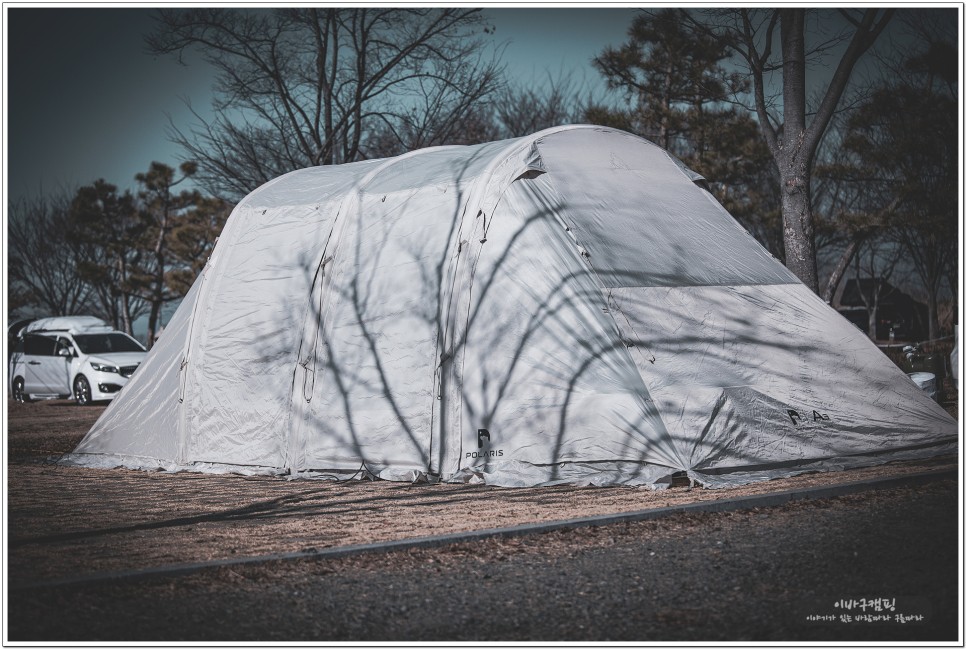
(792, 129)
(525, 109)
(875, 262)
(853, 216)
(43, 259)
(929, 240)
(310, 86)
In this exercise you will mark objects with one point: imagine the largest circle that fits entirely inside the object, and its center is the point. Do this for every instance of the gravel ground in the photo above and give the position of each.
(742, 576)
(739, 576)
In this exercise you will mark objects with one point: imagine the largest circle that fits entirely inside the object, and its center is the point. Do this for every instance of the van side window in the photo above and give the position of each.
(39, 345)
(63, 343)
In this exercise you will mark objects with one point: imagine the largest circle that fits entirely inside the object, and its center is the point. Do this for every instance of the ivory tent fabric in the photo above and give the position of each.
(570, 306)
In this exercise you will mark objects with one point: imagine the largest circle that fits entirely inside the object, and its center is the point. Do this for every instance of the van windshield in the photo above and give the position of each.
(107, 343)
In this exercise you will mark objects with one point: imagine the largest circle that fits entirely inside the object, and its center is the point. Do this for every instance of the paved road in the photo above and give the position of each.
(753, 575)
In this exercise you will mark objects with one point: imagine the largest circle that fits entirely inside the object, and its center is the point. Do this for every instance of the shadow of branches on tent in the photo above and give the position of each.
(519, 337)
(496, 323)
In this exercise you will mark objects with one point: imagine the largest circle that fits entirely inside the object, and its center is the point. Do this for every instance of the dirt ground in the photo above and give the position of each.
(775, 574)
(66, 522)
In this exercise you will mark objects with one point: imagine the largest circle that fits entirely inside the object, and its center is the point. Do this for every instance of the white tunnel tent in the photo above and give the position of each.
(565, 307)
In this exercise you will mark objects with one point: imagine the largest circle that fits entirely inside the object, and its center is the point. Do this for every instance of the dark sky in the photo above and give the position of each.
(85, 100)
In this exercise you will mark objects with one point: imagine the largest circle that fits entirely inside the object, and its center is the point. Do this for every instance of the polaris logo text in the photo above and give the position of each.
(492, 453)
(483, 440)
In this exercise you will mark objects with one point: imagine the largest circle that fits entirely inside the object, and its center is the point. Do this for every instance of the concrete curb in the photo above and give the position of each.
(723, 505)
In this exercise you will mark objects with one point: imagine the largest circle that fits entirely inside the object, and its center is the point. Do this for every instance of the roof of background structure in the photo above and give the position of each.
(889, 295)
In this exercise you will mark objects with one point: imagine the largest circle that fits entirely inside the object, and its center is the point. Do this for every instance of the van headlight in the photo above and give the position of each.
(100, 367)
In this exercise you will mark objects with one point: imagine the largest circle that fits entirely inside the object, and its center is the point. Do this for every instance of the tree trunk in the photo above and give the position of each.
(932, 305)
(794, 157)
(828, 294)
(125, 298)
(160, 252)
(157, 297)
(798, 229)
(873, 316)
(126, 314)
(153, 322)
(793, 146)
(665, 137)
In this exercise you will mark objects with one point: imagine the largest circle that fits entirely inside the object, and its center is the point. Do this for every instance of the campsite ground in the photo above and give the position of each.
(748, 575)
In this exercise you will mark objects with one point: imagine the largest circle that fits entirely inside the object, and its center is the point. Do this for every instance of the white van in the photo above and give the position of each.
(75, 356)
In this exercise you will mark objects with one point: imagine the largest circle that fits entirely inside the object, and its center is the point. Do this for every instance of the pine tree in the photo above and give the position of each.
(162, 211)
(668, 75)
(678, 95)
(106, 224)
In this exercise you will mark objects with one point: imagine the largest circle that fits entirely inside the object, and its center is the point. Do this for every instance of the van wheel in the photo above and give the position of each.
(18, 394)
(82, 391)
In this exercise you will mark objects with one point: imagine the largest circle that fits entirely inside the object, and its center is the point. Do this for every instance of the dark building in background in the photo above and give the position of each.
(896, 312)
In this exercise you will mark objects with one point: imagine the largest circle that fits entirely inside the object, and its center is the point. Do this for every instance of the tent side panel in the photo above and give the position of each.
(769, 379)
(242, 361)
(142, 421)
(547, 383)
(372, 398)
